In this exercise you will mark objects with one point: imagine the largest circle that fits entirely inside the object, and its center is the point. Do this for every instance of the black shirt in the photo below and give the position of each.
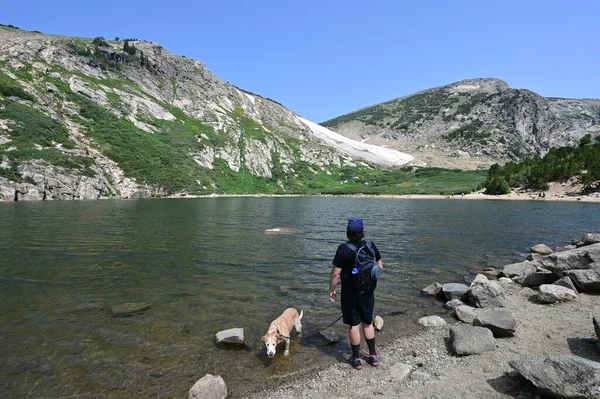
(344, 259)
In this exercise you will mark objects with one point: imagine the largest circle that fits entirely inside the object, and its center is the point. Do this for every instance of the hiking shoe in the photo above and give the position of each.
(374, 360)
(356, 363)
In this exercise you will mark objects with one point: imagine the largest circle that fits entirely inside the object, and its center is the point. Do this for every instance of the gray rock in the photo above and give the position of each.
(591, 238)
(330, 336)
(596, 322)
(434, 289)
(399, 371)
(420, 376)
(552, 293)
(535, 259)
(587, 280)
(519, 270)
(453, 304)
(574, 259)
(232, 336)
(487, 294)
(130, 309)
(541, 249)
(562, 376)
(378, 323)
(431, 321)
(500, 322)
(541, 276)
(566, 282)
(470, 340)
(455, 291)
(465, 313)
(208, 387)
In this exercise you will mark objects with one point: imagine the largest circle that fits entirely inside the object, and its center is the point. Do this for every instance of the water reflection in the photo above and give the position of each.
(208, 264)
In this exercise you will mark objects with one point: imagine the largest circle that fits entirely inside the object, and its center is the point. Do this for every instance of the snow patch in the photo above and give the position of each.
(368, 152)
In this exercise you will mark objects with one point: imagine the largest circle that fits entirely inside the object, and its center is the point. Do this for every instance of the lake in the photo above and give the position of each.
(209, 264)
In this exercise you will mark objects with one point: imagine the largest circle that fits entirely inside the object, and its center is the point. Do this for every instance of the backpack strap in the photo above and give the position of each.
(355, 248)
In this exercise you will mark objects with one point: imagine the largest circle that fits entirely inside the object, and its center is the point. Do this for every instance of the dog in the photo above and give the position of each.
(280, 330)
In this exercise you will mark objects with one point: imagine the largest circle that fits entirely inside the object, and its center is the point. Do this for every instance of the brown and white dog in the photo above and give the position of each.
(280, 330)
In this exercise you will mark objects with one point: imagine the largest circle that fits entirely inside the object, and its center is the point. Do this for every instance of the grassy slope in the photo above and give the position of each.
(161, 159)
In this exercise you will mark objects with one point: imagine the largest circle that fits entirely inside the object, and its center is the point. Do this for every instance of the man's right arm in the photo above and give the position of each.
(333, 280)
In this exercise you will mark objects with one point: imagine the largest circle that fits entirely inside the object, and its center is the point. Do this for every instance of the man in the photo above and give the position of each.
(357, 307)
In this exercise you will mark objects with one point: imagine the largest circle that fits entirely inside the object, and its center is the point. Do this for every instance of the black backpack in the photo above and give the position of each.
(364, 261)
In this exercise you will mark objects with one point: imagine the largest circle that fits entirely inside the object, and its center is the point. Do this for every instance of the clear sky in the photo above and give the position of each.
(326, 58)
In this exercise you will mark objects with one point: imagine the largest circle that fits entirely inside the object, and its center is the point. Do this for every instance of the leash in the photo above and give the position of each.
(392, 313)
(312, 333)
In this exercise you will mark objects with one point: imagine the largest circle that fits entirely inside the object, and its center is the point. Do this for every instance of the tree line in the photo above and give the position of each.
(559, 164)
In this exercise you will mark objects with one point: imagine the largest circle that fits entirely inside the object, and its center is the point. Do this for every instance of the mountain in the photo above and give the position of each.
(472, 123)
(94, 118)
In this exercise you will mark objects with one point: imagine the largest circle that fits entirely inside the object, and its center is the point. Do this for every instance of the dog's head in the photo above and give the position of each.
(271, 339)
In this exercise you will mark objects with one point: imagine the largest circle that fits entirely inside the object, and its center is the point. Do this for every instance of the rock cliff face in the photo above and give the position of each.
(473, 122)
(87, 119)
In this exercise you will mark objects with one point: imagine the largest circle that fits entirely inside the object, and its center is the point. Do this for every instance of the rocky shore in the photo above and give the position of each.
(541, 339)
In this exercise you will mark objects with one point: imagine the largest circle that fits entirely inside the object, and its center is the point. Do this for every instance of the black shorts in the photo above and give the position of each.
(357, 308)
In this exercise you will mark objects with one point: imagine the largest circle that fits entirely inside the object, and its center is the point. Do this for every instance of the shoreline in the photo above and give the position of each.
(567, 196)
(542, 330)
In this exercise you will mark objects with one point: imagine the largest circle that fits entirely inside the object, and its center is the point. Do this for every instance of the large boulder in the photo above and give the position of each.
(487, 294)
(469, 340)
(455, 291)
(500, 322)
(573, 259)
(208, 387)
(562, 376)
(587, 280)
(552, 293)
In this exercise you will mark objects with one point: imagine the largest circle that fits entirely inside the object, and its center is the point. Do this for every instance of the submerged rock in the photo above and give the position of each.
(130, 309)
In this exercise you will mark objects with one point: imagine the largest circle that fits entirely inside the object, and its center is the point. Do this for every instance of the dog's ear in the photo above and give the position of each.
(263, 338)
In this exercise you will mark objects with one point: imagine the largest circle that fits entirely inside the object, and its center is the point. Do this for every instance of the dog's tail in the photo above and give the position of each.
(301, 314)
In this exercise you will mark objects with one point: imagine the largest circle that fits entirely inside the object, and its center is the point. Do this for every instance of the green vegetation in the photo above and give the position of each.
(364, 180)
(559, 164)
(30, 129)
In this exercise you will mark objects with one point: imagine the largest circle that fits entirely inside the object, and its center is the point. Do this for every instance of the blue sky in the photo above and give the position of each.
(326, 58)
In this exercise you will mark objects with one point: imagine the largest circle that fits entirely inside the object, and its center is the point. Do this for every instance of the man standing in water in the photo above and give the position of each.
(357, 307)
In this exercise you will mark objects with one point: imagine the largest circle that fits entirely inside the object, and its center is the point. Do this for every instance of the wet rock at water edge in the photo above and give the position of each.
(434, 289)
(455, 291)
(541, 249)
(431, 321)
(130, 309)
(208, 387)
(331, 336)
(233, 337)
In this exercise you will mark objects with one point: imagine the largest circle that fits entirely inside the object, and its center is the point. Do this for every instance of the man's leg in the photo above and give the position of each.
(354, 335)
(368, 330)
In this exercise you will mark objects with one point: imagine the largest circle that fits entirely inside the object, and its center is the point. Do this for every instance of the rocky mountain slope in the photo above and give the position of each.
(83, 119)
(472, 123)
